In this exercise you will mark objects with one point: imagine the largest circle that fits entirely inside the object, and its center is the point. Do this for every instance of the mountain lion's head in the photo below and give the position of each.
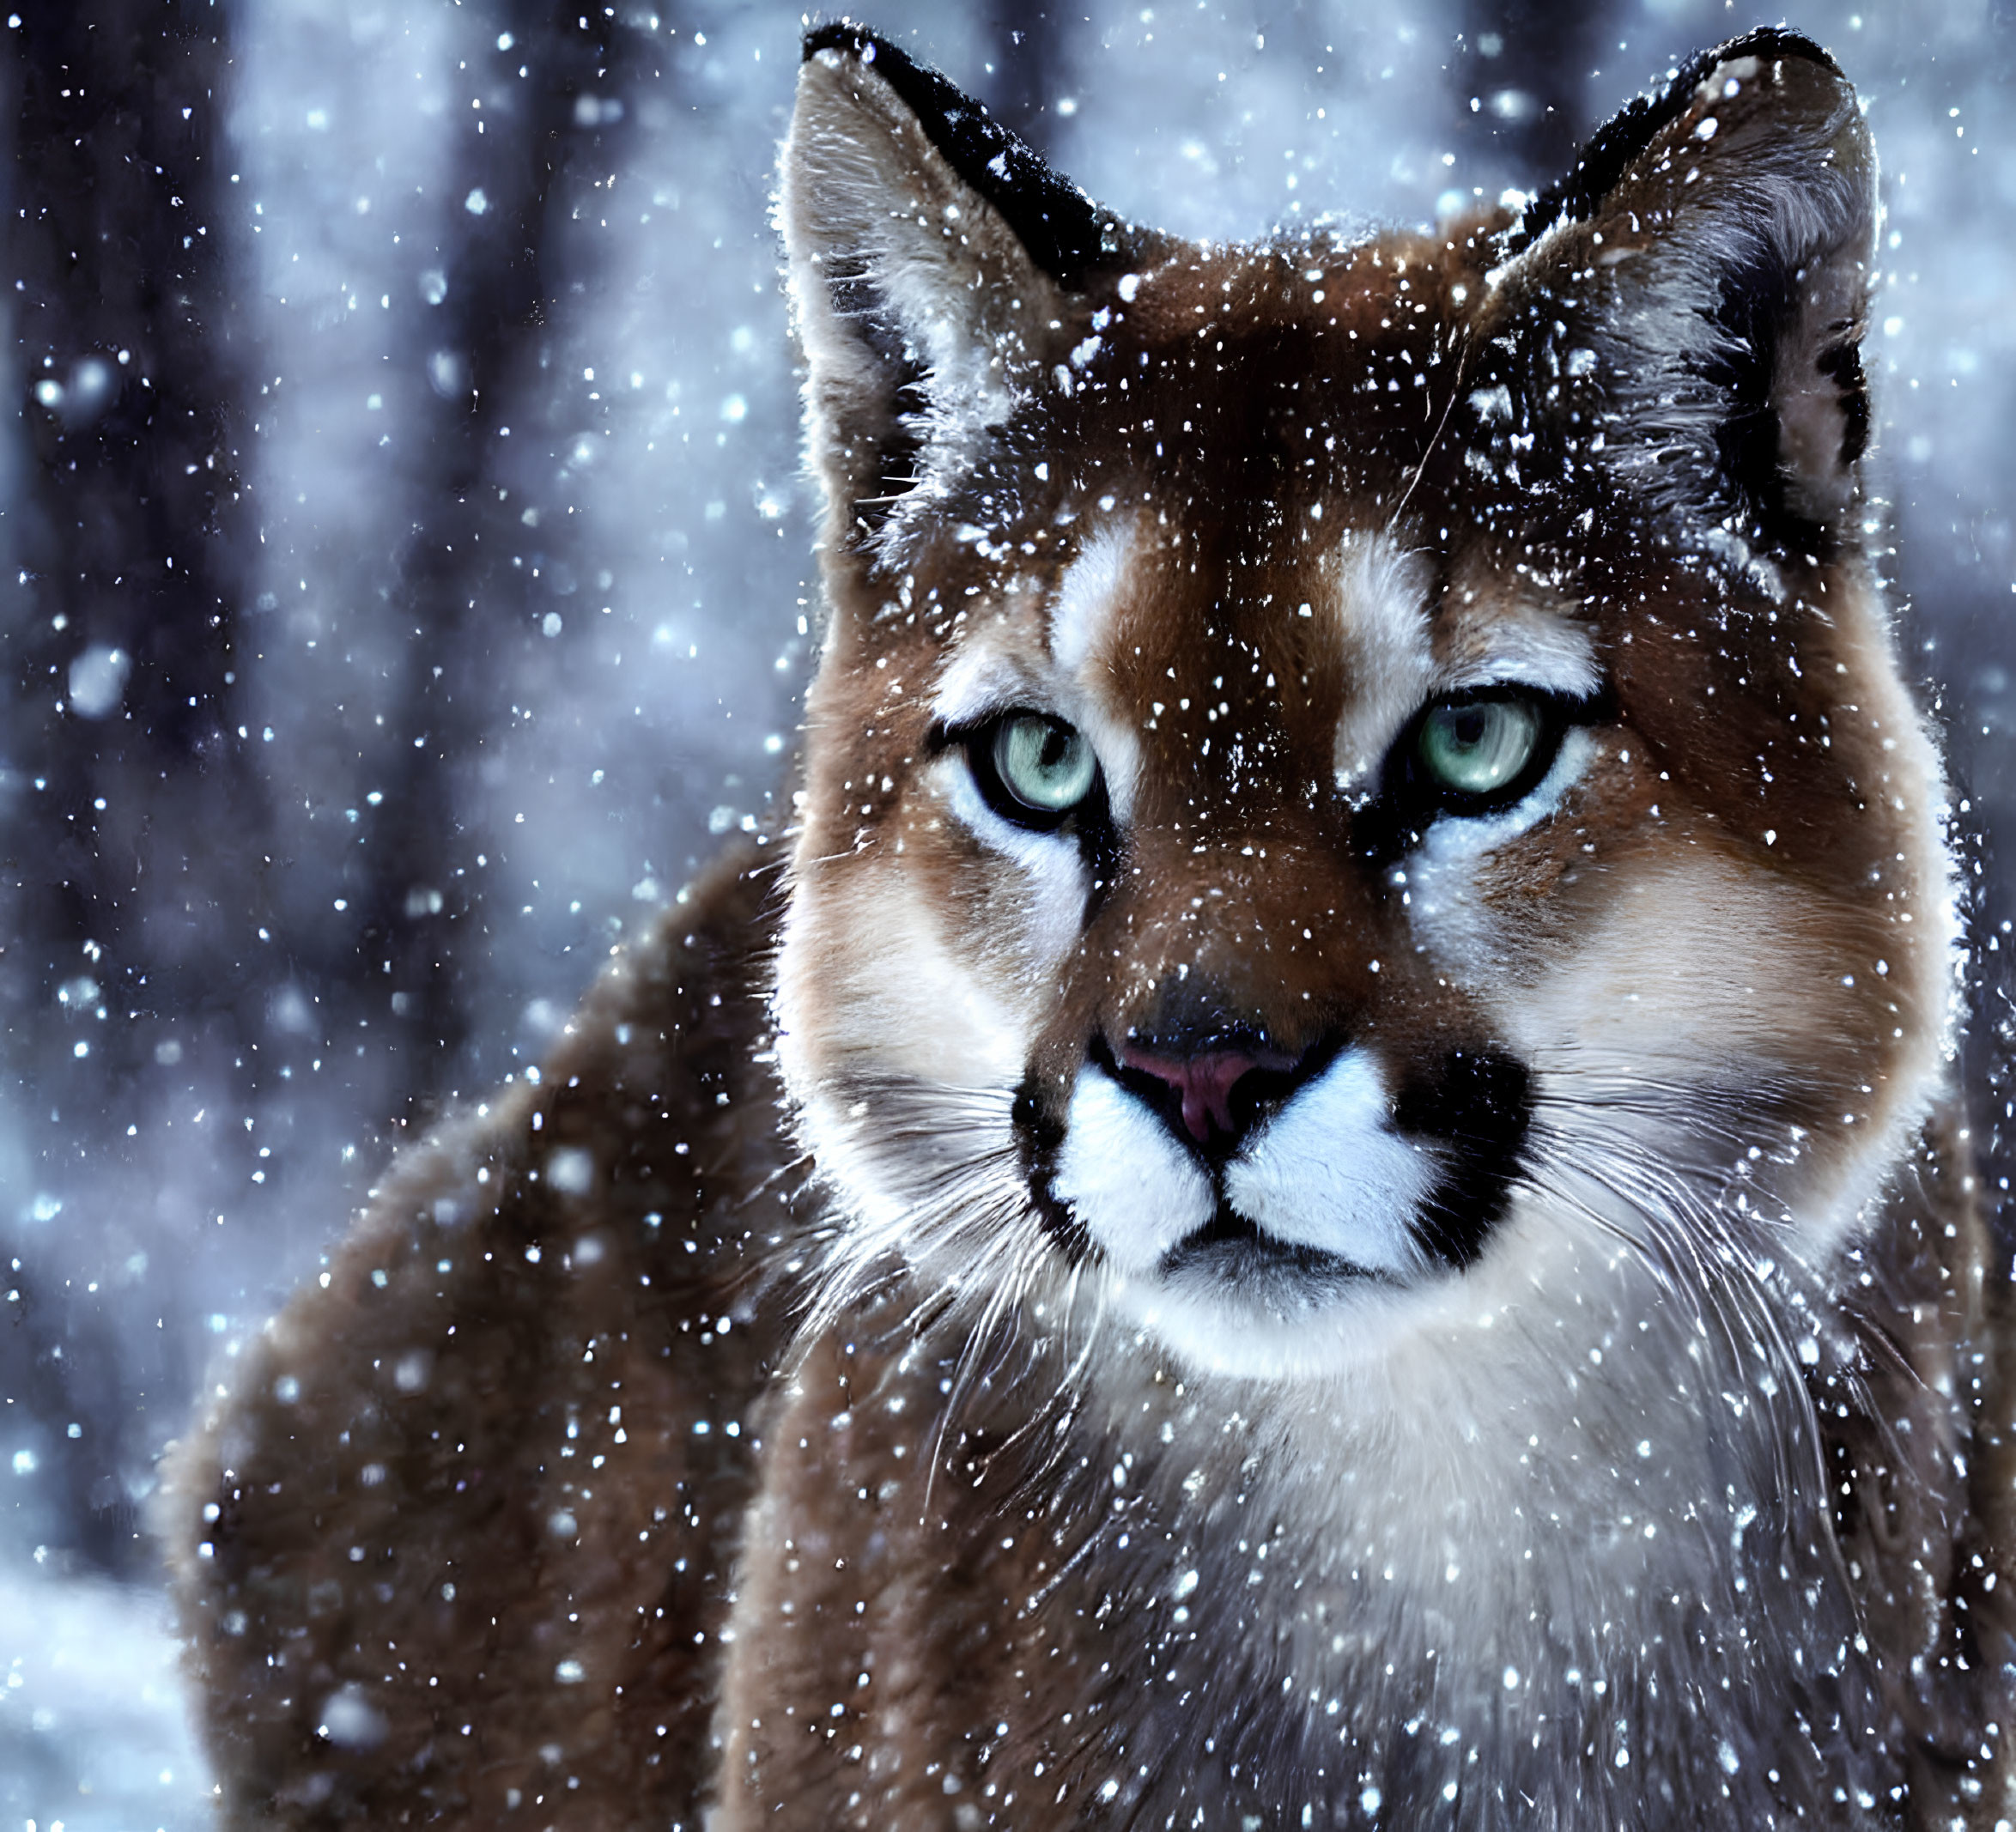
(1355, 790)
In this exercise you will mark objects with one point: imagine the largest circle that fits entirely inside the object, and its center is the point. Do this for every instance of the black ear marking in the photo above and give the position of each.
(1749, 313)
(1623, 138)
(1843, 366)
(1066, 233)
(1748, 367)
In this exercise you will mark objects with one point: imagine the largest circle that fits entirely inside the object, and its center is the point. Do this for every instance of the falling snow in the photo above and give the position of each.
(518, 616)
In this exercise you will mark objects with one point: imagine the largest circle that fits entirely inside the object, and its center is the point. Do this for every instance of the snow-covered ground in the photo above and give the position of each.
(630, 692)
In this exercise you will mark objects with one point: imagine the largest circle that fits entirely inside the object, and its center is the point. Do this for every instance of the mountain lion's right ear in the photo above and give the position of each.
(931, 257)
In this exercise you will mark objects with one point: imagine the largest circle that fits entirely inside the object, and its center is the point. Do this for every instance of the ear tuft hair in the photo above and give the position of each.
(937, 270)
(1711, 255)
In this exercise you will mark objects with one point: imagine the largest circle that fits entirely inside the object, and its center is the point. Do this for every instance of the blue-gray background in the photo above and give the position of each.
(403, 570)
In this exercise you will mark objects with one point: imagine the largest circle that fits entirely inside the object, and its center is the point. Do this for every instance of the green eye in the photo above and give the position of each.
(1476, 749)
(1046, 766)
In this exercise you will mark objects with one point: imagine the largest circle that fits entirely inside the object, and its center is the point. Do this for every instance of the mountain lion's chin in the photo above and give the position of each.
(1235, 1301)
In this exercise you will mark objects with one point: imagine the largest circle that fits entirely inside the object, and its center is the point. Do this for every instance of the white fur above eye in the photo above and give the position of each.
(1519, 646)
(996, 670)
(984, 678)
(1381, 611)
(1088, 596)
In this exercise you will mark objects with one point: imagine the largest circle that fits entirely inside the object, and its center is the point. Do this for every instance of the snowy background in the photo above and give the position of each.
(403, 578)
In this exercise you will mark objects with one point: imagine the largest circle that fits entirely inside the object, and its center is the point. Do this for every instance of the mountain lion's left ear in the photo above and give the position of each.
(933, 263)
(1709, 260)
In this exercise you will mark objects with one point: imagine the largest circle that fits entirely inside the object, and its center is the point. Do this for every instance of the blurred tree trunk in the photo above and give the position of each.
(134, 833)
(128, 804)
(1528, 64)
(538, 142)
(1025, 68)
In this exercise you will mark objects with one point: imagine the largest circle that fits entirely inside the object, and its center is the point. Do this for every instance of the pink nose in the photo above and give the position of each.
(1205, 1082)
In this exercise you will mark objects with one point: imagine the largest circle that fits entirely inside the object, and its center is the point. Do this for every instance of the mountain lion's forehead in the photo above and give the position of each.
(1363, 625)
(1381, 293)
(1145, 582)
(1263, 370)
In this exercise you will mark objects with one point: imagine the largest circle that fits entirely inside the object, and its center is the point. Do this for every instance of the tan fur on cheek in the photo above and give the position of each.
(867, 983)
(1707, 980)
(1694, 961)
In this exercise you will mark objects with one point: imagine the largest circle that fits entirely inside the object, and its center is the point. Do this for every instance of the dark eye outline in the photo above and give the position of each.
(1418, 796)
(1088, 813)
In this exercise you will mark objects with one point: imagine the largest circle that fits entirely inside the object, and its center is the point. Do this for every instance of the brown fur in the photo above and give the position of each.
(455, 1620)
(959, 1625)
(970, 1559)
(281, 1618)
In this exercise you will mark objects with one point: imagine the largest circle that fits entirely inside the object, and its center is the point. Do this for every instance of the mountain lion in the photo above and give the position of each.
(1321, 1184)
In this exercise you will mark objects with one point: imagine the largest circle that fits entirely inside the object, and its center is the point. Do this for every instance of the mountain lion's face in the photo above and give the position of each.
(1350, 787)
